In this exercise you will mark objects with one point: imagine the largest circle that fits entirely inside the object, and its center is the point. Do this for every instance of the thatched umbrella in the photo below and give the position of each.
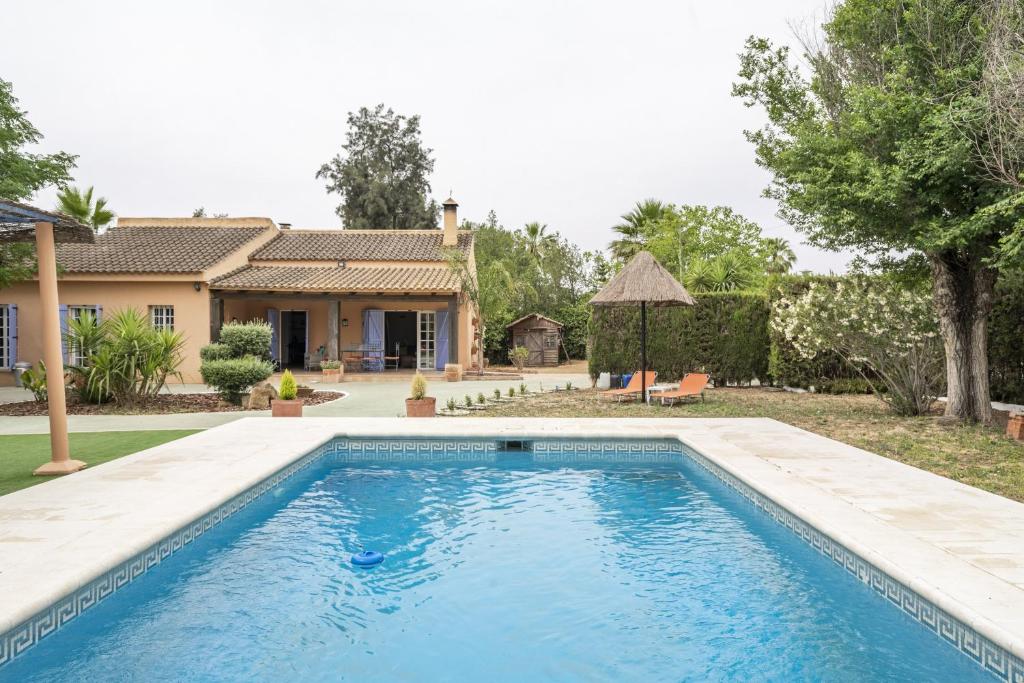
(643, 281)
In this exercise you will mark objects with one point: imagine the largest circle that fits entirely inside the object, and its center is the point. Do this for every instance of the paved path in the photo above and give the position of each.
(364, 399)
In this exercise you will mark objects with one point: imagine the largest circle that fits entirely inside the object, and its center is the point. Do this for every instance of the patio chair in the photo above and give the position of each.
(691, 386)
(632, 389)
(392, 362)
(312, 360)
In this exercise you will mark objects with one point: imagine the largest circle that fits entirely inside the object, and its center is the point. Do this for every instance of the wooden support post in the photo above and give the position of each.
(333, 328)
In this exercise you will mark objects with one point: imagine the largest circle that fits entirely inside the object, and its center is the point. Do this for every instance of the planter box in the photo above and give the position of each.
(424, 407)
(453, 372)
(282, 408)
(331, 376)
(1015, 427)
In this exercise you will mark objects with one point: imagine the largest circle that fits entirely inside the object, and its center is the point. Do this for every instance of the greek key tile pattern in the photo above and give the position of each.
(606, 450)
(1005, 665)
(15, 641)
(993, 658)
(414, 450)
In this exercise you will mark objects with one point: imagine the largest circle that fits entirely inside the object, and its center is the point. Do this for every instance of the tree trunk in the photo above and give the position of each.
(963, 288)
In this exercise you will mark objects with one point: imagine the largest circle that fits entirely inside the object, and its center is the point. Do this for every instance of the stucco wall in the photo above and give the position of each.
(191, 312)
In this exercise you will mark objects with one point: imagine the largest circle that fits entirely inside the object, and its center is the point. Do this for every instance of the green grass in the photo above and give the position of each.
(23, 453)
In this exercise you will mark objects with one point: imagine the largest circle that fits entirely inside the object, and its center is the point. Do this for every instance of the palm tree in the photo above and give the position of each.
(731, 272)
(79, 205)
(537, 240)
(631, 230)
(779, 255)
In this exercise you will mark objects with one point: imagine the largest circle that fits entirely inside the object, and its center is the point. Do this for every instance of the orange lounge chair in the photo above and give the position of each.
(632, 389)
(691, 386)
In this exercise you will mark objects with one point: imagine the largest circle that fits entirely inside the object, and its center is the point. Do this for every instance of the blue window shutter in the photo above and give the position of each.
(64, 331)
(12, 335)
(274, 318)
(373, 328)
(440, 340)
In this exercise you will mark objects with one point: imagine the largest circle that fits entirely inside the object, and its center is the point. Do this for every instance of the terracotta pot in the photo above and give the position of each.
(424, 407)
(1015, 427)
(281, 408)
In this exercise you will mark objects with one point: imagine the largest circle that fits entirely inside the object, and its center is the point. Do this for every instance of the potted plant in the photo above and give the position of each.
(332, 370)
(419, 404)
(287, 405)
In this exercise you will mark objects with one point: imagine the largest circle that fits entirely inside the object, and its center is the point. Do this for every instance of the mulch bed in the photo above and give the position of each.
(163, 404)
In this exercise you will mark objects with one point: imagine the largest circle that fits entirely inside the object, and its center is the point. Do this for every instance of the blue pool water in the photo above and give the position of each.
(507, 569)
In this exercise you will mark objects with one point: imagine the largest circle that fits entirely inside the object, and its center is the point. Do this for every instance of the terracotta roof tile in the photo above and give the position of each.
(337, 278)
(155, 249)
(357, 245)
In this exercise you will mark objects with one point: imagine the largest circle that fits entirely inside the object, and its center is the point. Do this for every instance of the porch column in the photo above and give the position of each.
(216, 317)
(60, 458)
(333, 328)
(453, 329)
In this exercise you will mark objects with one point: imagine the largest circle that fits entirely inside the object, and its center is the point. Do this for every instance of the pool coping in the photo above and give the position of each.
(969, 564)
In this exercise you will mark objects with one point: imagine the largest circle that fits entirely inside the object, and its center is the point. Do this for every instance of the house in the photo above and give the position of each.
(539, 334)
(342, 291)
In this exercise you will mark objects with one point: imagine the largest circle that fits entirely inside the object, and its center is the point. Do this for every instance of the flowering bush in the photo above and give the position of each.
(887, 332)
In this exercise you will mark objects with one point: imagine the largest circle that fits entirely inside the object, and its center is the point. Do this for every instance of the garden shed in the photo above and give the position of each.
(541, 335)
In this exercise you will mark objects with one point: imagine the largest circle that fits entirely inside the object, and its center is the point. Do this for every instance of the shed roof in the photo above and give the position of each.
(340, 279)
(533, 315)
(358, 245)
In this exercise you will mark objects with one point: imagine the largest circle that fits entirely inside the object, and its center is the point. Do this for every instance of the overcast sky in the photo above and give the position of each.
(561, 112)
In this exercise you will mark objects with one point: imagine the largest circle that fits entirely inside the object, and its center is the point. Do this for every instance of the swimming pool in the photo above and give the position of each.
(571, 561)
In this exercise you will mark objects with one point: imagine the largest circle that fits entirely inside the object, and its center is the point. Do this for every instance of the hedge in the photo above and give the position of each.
(724, 334)
(247, 339)
(232, 377)
(1006, 340)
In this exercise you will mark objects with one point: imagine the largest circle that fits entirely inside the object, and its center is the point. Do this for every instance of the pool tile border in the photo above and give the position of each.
(993, 658)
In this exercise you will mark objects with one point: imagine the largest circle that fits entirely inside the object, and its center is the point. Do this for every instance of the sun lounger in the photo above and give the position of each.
(632, 389)
(691, 386)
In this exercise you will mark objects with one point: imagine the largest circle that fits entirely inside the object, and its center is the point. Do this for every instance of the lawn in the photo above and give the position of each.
(24, 453)
(975, 455)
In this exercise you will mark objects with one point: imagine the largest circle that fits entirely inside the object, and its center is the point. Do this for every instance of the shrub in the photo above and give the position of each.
(289, 390)
(215, 351)
(519, 356)
(330, 365)
(845, 385)
(451, 405)
(1006, 330)
(522, 388)
(418, 389)
(232, 377)
(127, 359)
(888, 332)
(468, 401)
(247, 339)
(481, 399)
(724, 334)
(497, 394)
(511, 392)
(34, 379)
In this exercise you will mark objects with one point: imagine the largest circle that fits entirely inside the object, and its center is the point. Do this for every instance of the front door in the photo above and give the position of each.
(426, 340)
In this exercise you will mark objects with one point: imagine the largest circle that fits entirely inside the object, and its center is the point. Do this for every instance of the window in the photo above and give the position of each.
(551, 341)
(7, 330)
(75, 355)
(162, 317)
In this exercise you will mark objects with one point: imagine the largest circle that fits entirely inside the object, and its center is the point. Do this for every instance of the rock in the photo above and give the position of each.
(261, 396)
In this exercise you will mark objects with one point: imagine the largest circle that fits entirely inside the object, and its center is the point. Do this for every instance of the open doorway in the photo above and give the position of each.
(294, 337)
(400, 335)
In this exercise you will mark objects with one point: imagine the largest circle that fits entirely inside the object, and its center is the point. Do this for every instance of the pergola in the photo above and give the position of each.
(22, 223)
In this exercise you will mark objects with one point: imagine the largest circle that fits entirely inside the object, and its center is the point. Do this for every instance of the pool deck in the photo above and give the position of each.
(957, 546)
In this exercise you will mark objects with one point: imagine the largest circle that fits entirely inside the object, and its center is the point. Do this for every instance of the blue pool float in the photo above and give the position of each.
(367, 558)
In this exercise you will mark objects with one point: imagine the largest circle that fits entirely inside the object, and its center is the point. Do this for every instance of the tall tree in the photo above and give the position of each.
(631, 231)
(537, 240)
(779, 255)
(22, 174)
(80, 206)
(382, 174)
(878, 150)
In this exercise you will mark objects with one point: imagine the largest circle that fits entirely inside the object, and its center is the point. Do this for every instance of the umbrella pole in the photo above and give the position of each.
(643, 351)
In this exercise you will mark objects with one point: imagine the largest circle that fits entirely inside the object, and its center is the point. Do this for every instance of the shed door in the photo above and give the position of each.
(535, 344)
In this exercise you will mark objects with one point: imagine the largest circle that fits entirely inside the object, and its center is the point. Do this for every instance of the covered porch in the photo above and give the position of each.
(376, 334)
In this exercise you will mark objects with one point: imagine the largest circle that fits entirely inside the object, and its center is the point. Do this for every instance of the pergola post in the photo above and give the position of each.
(60, 457)
(333, 328)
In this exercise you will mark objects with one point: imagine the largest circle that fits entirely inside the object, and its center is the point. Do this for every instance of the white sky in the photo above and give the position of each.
(561, 112)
